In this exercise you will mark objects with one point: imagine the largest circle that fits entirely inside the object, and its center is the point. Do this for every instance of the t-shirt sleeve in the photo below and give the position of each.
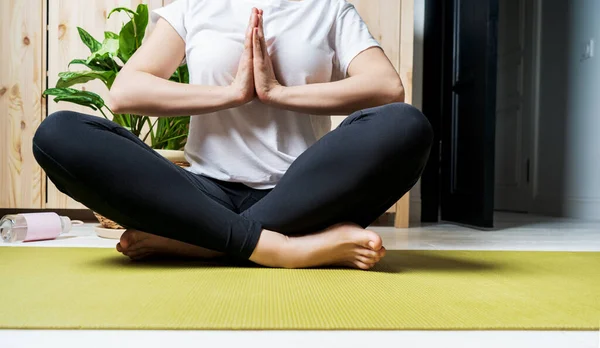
(174, 13)
(349, 37)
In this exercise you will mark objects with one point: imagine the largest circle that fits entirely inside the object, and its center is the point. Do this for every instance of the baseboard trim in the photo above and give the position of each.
(581, 208)
(74, 214)
(571, 207)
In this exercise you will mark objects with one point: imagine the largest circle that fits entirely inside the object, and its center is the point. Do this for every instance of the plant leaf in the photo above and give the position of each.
(127, 46)
(121, 9)
(184, 74)
(132, 33)
(71, 95)
(84, 62)
(110, 46)
(105, 61)
(110, 35)
(181, 75)
(98, 62)
(70, 78)
(141, 22)
(93, 44)
(171, 133)
(175, 76)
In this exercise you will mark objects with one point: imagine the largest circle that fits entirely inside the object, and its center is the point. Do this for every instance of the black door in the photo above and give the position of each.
(468, 111)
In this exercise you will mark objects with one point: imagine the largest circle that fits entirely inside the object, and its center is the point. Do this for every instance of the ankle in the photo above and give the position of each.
(272, 250)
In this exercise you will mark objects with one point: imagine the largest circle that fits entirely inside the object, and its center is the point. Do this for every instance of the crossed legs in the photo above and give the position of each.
(316, 215)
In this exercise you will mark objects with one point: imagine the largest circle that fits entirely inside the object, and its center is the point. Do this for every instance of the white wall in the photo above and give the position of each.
(567, 172)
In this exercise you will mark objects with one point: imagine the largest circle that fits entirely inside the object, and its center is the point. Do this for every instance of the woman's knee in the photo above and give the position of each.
(407, 126)
(55, 128)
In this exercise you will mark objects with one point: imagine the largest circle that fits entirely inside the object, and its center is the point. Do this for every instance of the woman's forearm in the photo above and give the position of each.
(145, 94)
(340, 97)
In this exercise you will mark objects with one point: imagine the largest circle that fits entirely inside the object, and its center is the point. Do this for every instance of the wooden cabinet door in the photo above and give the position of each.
(391, 23)
(64, 44)
(21, 77)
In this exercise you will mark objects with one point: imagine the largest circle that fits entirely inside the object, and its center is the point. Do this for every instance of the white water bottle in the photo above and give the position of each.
(34, 226)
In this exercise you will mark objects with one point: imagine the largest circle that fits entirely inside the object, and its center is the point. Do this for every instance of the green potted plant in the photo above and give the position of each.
(167, 135)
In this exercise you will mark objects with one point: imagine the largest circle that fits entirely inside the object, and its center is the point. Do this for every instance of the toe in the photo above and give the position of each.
(382, 252)
(132, 239)
(361, 265)
(127, 239)
(366, 260)
(374, 242)
(367, 253)
(138, 253)
(370, 240)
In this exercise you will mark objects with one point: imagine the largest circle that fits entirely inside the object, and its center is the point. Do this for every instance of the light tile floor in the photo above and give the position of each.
(512, 232)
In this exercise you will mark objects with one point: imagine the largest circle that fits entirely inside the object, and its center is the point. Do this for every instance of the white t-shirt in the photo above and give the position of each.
(309, 41)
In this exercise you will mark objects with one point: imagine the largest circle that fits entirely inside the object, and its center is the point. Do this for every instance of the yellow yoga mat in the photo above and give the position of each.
(77, 288)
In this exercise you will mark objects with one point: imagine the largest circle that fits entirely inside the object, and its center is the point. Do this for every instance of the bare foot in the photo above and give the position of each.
(344, 244)
(138, 245)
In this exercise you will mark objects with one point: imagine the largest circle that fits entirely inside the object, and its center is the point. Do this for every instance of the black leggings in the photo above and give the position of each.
(353, 174)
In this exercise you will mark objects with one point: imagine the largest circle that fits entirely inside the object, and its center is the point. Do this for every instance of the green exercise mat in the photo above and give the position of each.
(89, 288)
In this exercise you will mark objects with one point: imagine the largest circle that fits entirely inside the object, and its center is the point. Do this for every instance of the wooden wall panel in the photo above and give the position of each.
(22, 79)
(64, 45)
(21, 75)
(43, 101)
(391, 23)
(407, 36)
(405, 70)
(383, 19)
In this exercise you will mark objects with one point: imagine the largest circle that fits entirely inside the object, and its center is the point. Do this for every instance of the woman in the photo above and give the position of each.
(265, 183)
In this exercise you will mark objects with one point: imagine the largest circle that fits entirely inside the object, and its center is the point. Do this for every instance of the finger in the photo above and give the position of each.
(261, 30)
(248, 43)
(261, 34)
(247, 53)
(253, 20)
(257, 49)
(251, 23)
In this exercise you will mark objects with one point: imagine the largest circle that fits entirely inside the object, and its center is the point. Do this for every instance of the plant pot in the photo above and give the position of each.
(175, 156)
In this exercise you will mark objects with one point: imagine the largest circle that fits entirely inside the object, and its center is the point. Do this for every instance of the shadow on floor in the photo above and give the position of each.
(396, 261)
(404, 261)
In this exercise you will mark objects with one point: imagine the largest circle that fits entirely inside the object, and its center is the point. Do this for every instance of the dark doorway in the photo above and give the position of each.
(459, 97)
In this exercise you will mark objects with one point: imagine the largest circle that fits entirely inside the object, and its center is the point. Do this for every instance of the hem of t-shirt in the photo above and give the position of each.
(355, 52)
(253, 185)
(158, 13)
(259, 186)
